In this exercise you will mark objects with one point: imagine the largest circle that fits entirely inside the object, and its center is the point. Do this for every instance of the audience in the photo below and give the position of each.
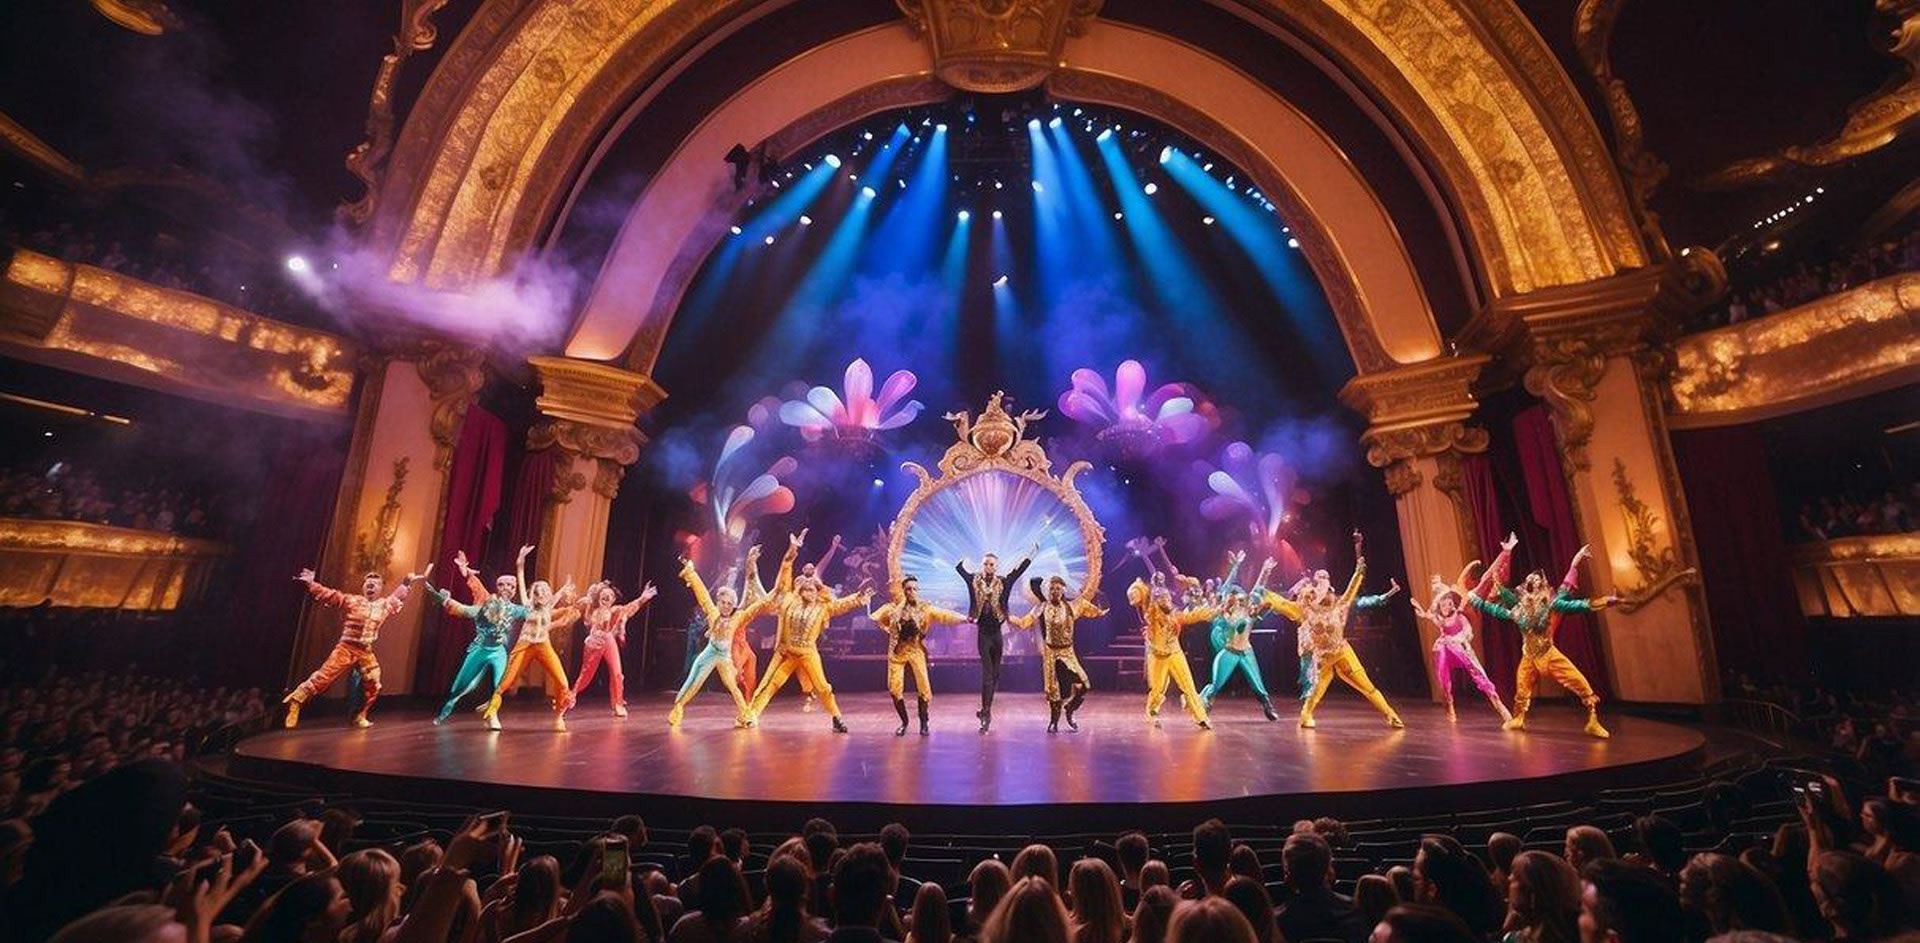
(1314, 911)
(1807, 281)
(1623, 902)
(1543, 900)
(1881, 511)
(1097, 913)
(123, 497)
(1030, 913)
(1212, 851)
(1155, 911)
(1250, 898)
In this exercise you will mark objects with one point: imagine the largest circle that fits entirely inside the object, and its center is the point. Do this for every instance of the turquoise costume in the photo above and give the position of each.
(493, 620)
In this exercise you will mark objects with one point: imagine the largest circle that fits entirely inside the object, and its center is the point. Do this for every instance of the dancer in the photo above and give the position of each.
(1056, 615)
(1324, 616)
(1454, 646)
(1233, 634)
(906, 620)
(546, 611)
(606, 632)
(493, 616)
(1160, 623)
(987, 598)
(359, 629)
(803, 608)
(726, 629)
(1536, 613)
(753, 591)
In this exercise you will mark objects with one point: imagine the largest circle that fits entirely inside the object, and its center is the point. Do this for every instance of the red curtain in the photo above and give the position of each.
(529, 505)
(1551, 509)
(473, 498)
(1757, 625)
(1500, 641)
(262, 615)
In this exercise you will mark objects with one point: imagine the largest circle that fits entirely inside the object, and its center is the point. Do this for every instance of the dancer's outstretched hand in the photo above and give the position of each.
(1512, 541)
(423, 574)
(1358, 540)
(460, 560)
(524, 551)
(648, 592)
(306, 575)
(1585, 551)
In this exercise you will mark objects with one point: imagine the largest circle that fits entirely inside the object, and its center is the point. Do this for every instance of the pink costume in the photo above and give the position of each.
(606, 632)
(1454, 649)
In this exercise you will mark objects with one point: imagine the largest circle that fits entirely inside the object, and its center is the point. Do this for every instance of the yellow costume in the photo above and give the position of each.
(1325, 625)
(1056, 619)
(1161, 624)
(1537, 615)
(906, 624)
(536, 643)
(723, 632)
(798, 629)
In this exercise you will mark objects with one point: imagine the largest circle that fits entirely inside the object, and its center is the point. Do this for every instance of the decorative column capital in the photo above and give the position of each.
(1416, 412)
(454, 376)
(587, 413)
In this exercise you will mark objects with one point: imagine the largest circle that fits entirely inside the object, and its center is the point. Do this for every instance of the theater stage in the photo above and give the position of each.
(1115, 771)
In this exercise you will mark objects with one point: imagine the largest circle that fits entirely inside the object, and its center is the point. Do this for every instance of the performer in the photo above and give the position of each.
(606, 632)
(1160, 623)
(803, 608)
(906, 620)
(358, 631)
(1537, 615)
(493, 617)
(1324, 616)
(987, 598)
(753, 591)
(726, 630)
(1233, 632)
(1056, 615)
(1454, 646)
(546, 611)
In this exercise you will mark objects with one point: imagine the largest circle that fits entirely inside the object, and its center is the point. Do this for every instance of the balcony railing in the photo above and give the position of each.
(96, 566)
(1859, 577)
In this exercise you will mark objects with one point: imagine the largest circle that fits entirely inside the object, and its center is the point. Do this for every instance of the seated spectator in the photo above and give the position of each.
(1422, 923)
(311, 909)
(1314, 911)
(1621, 902)
(1036, 861)
(1245, 861)
(1212, 851)
(1155, 873)
(1373, 896)
(1543, 900)
(1097, 915)
(1857, 897)
(1661, 844)
(1249, 896)
(1155, 911)
(1586, 845)
(1446, 874)
(1502, 847)
(1131, 851)
(1211, 919)
(931, 922)
(719, 905)
(783, 917)
(1728, 895)
(860, 883)
(371, 881)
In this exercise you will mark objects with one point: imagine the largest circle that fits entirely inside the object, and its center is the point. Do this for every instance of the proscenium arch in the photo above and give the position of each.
(528, 89)
(1345, 232)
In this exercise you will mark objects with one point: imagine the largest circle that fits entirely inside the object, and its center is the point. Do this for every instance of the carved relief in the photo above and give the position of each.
(1402, 477)
(417, 34)
(585, 454)
(1641, 169)
(454, 376)
(1564, 372)
(997, 45)
(373, 550)
(1659, 568)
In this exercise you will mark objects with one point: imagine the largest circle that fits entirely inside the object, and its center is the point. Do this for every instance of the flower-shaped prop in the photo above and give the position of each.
(1137, 424)
(855, 414)
(1259, 490)
(739, 491)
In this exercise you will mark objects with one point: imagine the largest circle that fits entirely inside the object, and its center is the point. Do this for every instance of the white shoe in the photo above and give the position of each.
(493, 721)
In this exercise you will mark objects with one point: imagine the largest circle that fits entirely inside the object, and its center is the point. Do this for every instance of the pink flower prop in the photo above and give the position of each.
(1175, 414)
(859, 414)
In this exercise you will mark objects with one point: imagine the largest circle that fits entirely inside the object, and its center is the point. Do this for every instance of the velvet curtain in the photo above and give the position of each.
(473, 498)
(262, 614)
(1499, 640)
(1758, 628)
(1552, 510)
(528, 508)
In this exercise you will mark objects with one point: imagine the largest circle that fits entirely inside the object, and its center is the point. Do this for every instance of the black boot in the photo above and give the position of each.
(1079, 698)
(900, 707)
(986, 720)
(1266, 704)
(923, 717)
(838, 726)
(1053, 726)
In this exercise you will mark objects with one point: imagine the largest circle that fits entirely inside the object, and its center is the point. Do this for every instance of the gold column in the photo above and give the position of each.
(1590, 353)
(392, 500)
(587, 411)
(1417, 431)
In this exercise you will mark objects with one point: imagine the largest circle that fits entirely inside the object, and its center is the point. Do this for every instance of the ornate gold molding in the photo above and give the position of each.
(373, 550)
(454, 376)
(609, 450)
(1450, 479)
(997, 45)
(1859, 576)
(365, 161)
(588, 412)
(1417, 412)
(38, 152)
(146, 17)
(97, 566)
(1643, 171)
(1659, 567)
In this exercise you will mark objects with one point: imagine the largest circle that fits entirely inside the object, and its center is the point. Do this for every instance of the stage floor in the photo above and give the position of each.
(1351, 764)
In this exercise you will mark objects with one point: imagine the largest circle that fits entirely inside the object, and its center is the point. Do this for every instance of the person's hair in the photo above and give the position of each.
(1030, 913)
(1131, 850)
(1307, 859)
(702, 843)
(1209, 920)
(1664, 844)
(1856, 896)
(1460, 882)
(1423, 923)
(893, 840)
(723, 896)
(733, 844)
(817, 825)
(631, 826)
(1331, 829)
(1155, 873)
(607, 918)
(1899, 820)
(287, 914)
(796, 849)
(861, 882)
(1502, 847)
(1634, 902)
(1373, 896)
(1790, 848)
(415, 860)
(1244, 861)
(1591, 843)
(291, 842)
(1250, 897)
(1036, 861)
(787, 889)
(536, 894)
(368, 877)
(931, 921)
(1099, 916)
(124, 923)
(1212, 847)
(1546, 898)
(1402, 878)
(337, 826)
(1732, 895)
(987, 885)
(821, 844)
(1151, 915)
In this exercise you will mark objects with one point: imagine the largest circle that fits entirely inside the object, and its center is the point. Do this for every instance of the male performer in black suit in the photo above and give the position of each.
(987, 595)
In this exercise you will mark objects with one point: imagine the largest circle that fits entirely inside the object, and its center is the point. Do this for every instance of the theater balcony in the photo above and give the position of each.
(81, 565)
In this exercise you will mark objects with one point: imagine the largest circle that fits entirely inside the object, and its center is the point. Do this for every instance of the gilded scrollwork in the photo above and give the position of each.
(585, 455)
(1642, 170)
(373, 549)
(453, 375)
(365, 161)
(1659, 567)
(997, 45)
(1402, 478)
(1564, 371)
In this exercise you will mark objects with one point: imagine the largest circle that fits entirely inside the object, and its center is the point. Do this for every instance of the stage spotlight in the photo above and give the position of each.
(833, 160)
(941, 127)
(297, 264)
(740, 159)
(1000, 282)
(1166, 153)
(734, 229)
(866, 136)
(1033, 124)
(1293, 243)
(1076, 112)
(964, 216)
(1104, 135)
(877, 483)
(1037, 188)
(769, 240)
(868, 192)
(1206, 220)
(1119, 215)
(1151, 189)
(996, 214)
(806, 220)
(997, 184)
(1208, 167)
(1054, 123)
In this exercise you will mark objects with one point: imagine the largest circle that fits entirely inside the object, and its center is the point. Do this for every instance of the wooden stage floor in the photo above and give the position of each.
(1115, 765)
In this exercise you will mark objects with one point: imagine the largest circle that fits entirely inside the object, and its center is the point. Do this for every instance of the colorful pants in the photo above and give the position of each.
(480, 660)
(1308, 680)
(1171, 667)
(1446, 658)
(804, 663)
(714, 657)
(897, 665)
(991, 644)
(549, 660)
(1225, 663)
(344, 656)
(1052, 661)
(1554, 665)
(1345, 665)
(602, 647)
(746, 665)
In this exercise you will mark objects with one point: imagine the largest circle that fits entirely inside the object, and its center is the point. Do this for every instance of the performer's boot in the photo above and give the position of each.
(900, 707)
(1079, 698)
(674, 714)
(1593, 728)
(1266, 704)
(1379, 701)
(360, 719)
(1519, 719)
(1306, 718)
(620, 711)
(293, 711)
(807, 705)
(446, 710)
(560, 722)
(1452, 717)
(923, 717)
(1500, 707)
(839, 727)
(986, 719)
(1053, 709)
